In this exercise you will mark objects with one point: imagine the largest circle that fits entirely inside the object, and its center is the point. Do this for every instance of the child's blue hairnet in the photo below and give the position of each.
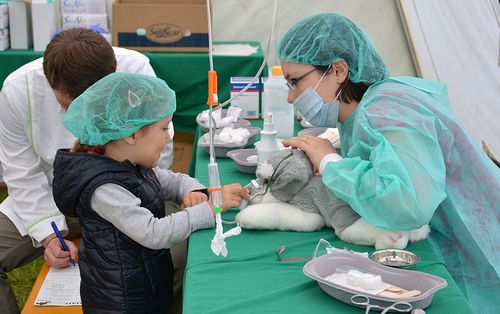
(118, 106)
(326, 38)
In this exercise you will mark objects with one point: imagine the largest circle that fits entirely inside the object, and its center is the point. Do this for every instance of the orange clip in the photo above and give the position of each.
(214, 189)
(213, 100)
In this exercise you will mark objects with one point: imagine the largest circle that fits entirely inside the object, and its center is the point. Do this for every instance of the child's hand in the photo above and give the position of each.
(232, 195)
(194, 198)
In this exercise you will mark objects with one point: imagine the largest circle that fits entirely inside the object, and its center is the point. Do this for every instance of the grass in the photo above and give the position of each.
(21, 279)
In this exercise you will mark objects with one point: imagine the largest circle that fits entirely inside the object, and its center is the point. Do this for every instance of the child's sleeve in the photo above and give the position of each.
(175, 185)
(123, 209)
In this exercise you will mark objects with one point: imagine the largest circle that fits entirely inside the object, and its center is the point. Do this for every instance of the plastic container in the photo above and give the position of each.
(221, 150)
(314, 131)
(325, 265)
(276, 94)
(240, 157)
(268, 144)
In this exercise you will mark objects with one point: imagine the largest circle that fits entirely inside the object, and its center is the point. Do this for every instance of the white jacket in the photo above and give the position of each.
(31, 132)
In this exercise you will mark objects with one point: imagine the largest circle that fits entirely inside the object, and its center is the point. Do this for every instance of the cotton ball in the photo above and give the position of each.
(252, 158)
(237, 139)
(363, 280)
(240, 135)
(225, 138)
(228, 135)
(225, 135)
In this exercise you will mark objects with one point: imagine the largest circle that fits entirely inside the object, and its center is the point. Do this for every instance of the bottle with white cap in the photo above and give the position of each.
(276, 95)
(268, 144)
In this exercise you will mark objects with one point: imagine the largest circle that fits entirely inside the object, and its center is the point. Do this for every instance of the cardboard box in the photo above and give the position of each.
(183, 149)
(83, 6)
(20, 24)
(4, 15)
(161, 25)
(74, 20)
(43, 16)
(249, 100)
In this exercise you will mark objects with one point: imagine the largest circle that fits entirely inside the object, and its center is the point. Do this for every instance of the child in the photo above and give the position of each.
(107, 180)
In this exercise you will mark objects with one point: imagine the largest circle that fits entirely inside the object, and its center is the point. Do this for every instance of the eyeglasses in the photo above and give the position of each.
(292, 83)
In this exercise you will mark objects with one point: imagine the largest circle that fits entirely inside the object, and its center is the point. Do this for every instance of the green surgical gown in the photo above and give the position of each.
(407, 162)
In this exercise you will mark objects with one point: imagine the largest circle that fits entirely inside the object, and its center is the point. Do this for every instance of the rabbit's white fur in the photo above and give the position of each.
(361, 232)
(312, 207)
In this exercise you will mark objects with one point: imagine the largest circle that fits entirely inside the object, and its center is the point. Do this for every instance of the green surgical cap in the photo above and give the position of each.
(118, 106)
(326, 38)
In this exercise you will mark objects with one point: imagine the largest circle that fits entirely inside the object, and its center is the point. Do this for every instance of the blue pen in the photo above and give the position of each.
(63, 244)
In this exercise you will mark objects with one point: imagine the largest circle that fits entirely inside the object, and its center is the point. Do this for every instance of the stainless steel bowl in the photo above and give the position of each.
(395, 257)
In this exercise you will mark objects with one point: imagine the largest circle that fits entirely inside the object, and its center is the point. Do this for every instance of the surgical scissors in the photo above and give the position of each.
(359, 299)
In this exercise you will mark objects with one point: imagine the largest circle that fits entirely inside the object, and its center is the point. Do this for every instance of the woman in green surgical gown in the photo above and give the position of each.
(405, 158)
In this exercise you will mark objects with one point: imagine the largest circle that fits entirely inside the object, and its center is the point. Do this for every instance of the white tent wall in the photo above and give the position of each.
(457, 43)
(238, 20)
(251, 21)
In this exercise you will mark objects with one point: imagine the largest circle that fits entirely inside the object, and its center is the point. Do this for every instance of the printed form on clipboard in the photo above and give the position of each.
(61, 287)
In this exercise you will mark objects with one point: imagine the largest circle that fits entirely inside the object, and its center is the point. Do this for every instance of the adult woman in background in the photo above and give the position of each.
(404, 154)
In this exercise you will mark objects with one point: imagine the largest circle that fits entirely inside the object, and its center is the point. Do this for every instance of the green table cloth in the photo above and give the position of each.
(186, 73)
(251, 280)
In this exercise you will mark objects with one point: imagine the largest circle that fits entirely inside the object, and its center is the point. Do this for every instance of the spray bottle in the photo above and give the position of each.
(268, 144)
(276, 101)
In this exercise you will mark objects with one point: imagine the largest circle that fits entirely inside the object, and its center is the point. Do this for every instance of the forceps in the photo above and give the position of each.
(359, 299)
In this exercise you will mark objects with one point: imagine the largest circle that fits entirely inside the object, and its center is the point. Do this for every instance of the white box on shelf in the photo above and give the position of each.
(83, 6)
(249, 100)
(4, 15)
(84, 20)
(20, 24)
(44, 23)
(4, 44)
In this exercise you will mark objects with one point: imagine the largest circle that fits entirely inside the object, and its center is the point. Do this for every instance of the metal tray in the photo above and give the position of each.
(327, 264)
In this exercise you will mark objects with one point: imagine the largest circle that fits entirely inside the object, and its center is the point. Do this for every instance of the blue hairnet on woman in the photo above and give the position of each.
(406, 159)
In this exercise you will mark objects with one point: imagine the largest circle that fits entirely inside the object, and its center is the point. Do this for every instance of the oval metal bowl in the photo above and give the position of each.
(395, 257)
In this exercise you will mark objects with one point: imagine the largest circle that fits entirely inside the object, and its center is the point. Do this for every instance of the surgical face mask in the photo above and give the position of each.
(311, 106)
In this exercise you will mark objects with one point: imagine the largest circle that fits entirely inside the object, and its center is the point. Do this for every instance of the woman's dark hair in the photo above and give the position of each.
(350, 90)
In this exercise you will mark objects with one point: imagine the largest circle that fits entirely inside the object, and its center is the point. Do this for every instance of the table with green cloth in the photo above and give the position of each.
(186, 73)
(251, 279)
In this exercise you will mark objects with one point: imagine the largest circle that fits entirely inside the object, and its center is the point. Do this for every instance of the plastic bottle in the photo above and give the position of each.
(268, 144)
(276, 94)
